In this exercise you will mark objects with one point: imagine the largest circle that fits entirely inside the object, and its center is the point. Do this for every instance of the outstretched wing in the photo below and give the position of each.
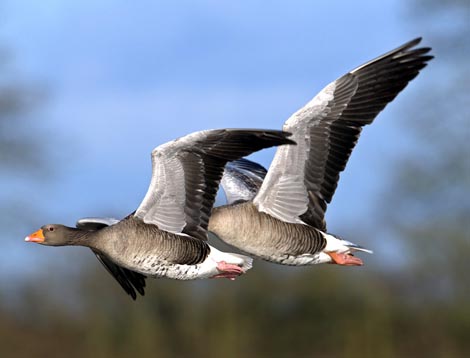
(129, 280)
(242, 179)
(94, 223)
(187, 172)
(302, 179)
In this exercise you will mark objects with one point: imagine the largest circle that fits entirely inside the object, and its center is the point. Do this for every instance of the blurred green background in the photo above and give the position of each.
(87, 89)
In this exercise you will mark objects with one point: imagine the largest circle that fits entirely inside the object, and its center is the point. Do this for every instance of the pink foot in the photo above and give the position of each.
(229, 271)
(345, 259)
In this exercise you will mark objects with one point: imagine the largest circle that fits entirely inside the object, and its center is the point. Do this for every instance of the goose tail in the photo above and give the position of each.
(341, 251)
(354, 247)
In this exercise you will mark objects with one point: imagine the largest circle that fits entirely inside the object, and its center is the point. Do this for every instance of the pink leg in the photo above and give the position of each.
(345, 259)
(229, 271)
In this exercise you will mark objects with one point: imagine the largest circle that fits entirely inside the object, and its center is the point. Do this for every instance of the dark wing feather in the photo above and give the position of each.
(129, 280)
(248, 166)
(213, 153)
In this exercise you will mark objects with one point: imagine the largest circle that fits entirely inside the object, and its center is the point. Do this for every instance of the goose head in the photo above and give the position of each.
(55, 235)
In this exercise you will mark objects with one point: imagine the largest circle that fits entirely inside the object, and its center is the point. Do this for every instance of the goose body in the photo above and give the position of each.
(167, 235)
(259, 234)
(150, 251)
(282, 219)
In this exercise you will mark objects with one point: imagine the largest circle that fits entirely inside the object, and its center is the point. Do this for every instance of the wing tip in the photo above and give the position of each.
(406, 49)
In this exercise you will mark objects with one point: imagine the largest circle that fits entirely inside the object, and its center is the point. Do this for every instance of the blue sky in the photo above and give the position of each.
(124, 77)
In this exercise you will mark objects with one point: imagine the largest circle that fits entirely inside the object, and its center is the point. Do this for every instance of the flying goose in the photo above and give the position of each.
(167, 235)
(241, 179)
(284, 222)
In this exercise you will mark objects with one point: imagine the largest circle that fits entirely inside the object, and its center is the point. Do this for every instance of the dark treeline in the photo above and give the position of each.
(322, 311)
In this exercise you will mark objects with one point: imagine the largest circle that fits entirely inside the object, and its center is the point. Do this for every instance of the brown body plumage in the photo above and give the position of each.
(264, 236)
(131, 242)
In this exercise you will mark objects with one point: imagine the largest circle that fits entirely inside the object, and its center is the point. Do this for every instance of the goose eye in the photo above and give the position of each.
(51, 228)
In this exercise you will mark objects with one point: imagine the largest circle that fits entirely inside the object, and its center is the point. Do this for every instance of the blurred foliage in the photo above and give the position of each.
(431, 187)
(327, 311)
(18, 148)
(420, 310)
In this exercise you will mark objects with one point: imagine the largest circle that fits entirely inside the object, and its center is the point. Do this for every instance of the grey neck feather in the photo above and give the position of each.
(77, 237)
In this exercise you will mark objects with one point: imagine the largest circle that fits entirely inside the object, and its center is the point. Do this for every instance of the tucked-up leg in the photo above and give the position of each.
(227, 270)
(345, 259)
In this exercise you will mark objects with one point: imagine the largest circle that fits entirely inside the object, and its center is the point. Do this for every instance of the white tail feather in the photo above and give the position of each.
(335, 244)
(355, 247)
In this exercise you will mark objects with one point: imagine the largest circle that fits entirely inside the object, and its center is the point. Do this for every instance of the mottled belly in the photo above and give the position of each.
(155, 267)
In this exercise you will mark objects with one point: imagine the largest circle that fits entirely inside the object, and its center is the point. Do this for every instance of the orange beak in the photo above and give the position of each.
(37, 236)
